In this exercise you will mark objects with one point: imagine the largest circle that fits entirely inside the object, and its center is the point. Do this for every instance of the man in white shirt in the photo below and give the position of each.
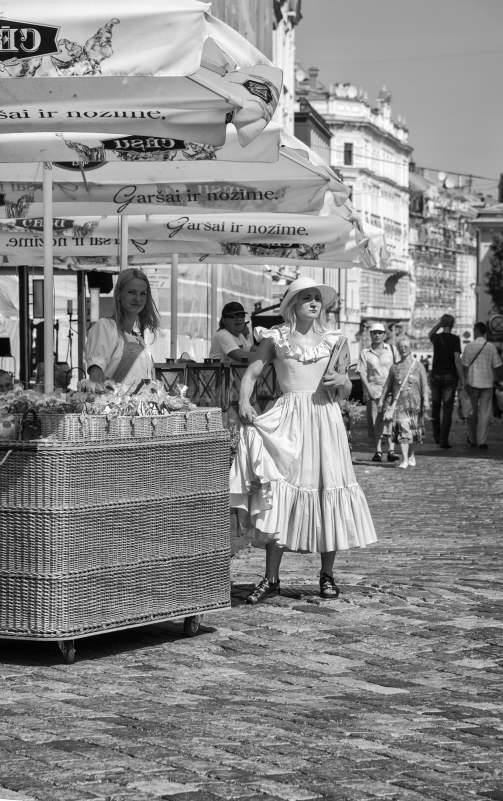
(374, 365)
(481, 363)
(230, 340)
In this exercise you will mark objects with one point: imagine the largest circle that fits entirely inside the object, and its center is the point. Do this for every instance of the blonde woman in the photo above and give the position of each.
(292, 480)
(115, 345)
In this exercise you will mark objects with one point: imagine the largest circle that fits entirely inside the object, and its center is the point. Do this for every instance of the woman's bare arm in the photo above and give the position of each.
(261, 358)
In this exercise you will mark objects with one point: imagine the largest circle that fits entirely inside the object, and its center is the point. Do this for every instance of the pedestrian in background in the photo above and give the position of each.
(405, 401)
(446, 372)
(482, 364)
(374, 366)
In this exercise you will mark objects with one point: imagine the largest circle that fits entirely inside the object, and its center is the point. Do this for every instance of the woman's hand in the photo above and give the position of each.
(247, 413)
(333, 380)
(380, 405)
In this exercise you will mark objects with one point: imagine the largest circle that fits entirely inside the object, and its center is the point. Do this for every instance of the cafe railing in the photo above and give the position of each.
(211, 383)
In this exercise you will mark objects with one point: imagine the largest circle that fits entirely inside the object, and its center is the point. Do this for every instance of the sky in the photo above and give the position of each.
(442, 61)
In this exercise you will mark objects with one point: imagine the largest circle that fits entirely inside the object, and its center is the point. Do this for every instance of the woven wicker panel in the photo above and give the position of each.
(58, 543)
(85, 428)
(59, 476)
(93, 602)
(82, 428)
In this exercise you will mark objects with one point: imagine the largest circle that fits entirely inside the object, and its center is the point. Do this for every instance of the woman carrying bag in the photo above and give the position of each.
(405, 401)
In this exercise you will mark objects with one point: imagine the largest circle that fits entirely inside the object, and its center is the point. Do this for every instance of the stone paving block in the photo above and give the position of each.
(13, 795)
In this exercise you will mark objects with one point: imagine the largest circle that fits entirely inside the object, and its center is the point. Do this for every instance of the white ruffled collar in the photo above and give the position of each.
(288, 348)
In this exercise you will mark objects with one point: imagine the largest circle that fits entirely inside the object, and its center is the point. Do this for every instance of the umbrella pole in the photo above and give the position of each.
(48, 281)
(213, 299)
(174, 306)
(124, 222)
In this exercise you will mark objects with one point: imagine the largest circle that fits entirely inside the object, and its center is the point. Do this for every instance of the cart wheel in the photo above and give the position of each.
(191, 625)
(67, 648)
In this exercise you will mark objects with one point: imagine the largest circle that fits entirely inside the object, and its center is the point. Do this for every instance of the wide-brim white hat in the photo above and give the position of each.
(328, 293)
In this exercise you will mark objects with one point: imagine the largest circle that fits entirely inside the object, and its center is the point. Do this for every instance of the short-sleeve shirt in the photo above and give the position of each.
(481, 370)
(224, 342)
(444, 348)
(105, 346)
(375, 367)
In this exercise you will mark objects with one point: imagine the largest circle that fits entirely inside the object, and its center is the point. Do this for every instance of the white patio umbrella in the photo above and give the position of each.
(332, 238)
(166, 69)
(232, 178)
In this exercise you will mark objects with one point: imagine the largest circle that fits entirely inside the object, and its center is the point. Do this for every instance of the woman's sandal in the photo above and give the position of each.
(328, 587)
(264, 590)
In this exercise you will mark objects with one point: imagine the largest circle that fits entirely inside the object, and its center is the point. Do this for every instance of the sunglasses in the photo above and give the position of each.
(236, 315)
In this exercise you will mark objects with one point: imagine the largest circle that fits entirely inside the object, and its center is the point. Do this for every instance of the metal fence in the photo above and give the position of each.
(213, 384)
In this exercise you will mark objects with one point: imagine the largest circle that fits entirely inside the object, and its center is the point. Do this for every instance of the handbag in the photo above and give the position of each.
(498, 393)
(31, 427)
(390, 411)
(465, 408)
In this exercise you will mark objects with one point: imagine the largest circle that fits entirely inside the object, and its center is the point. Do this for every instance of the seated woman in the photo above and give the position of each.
(115, 345)
(229, 341)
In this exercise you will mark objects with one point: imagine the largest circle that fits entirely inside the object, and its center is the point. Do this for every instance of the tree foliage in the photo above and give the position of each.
(494, 276)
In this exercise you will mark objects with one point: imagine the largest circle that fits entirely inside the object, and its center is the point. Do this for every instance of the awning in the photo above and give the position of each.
(296, 182)
(163, 69)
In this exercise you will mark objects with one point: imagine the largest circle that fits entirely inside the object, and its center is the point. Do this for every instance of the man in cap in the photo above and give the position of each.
(230, 340)
(374, 365)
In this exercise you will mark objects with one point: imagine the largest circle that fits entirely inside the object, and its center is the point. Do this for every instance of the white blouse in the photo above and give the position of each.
(105, 346)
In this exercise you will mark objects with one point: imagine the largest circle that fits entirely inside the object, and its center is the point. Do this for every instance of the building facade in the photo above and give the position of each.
(311, 128)
(443, 251)
(370, 152)
(286, 17)
(487, 225)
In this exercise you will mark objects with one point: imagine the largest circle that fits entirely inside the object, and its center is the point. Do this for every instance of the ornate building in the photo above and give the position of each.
(443, 251)
(286, 17)
(370, 151)
(487, 225)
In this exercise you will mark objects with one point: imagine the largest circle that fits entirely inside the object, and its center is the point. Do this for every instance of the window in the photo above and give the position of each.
(348, 153)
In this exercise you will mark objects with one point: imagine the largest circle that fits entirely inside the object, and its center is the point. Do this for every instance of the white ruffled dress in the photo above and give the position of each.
(292, 481)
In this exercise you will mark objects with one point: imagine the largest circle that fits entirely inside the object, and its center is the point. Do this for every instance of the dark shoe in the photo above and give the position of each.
(473, 444)
(328, 587)
(483, 447)
(262, 591)
(393, 457)
(436, 441)
(446, 446)
(377, 457)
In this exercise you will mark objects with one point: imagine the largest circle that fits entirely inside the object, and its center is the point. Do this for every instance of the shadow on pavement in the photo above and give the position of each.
(99, 646)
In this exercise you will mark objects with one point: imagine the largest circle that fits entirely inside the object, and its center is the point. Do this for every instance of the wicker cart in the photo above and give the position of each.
(105, 525)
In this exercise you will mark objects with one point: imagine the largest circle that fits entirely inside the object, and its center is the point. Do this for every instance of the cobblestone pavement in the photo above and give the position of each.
(391, 692)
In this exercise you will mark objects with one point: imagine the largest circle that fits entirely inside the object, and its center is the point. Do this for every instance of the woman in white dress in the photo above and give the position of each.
(115, 346)
(292, 479)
